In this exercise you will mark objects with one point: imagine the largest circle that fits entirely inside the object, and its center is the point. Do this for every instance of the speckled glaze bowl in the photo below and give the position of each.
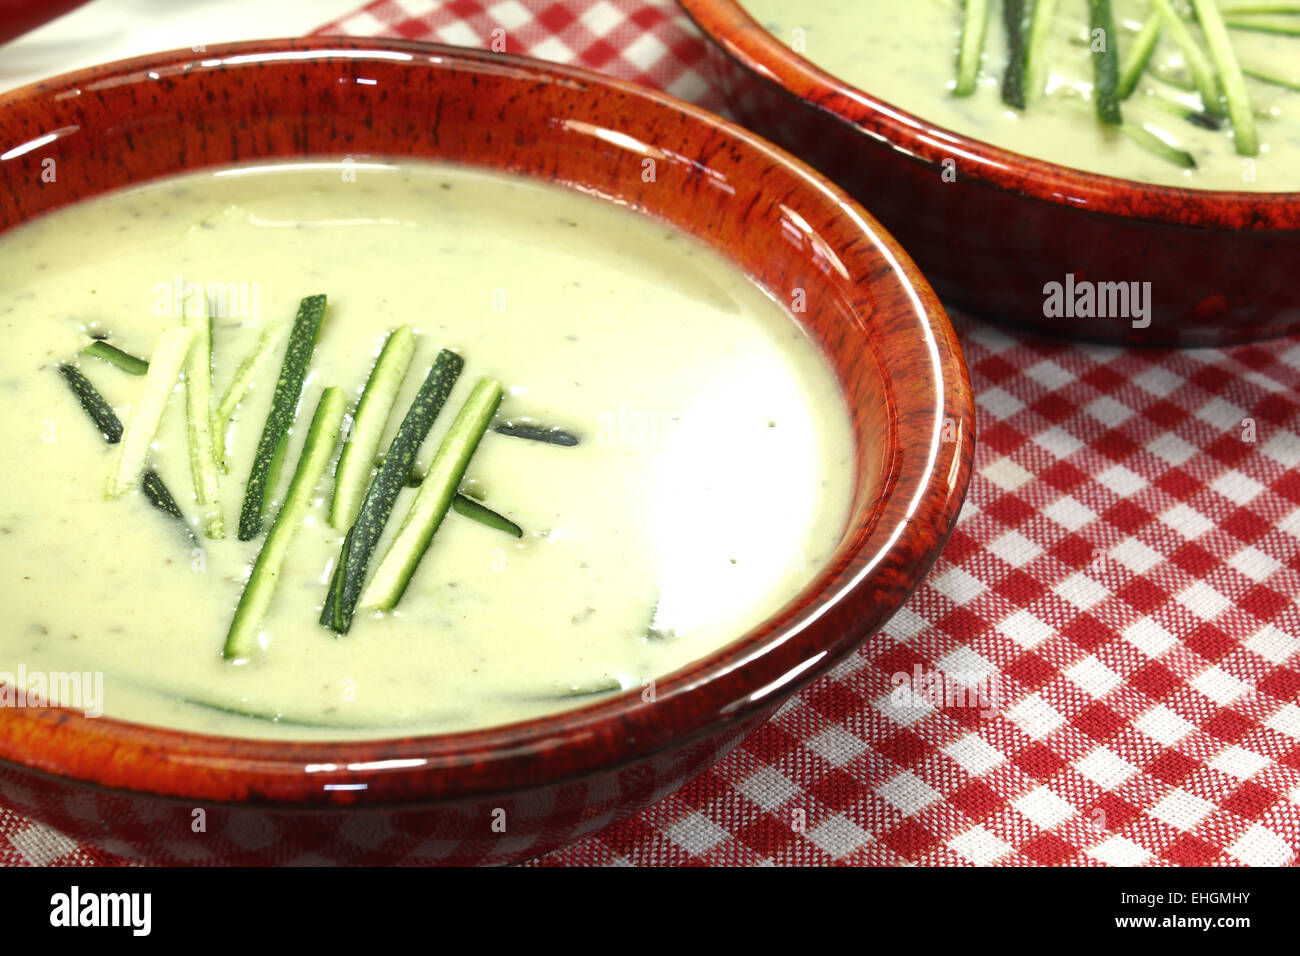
(1221, 265)
(136, 790)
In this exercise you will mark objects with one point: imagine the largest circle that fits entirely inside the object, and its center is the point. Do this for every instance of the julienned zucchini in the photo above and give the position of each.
(198, 415)
(975, 24)
(1254, 24)
(322, 437)
(1016, 15)
(1245, 135)
(434, 497)
(100, 412)
(239, 385)
(265, 471)
(115, 356)
(110, 426)
(469, 508)
(1105, 62)
(1139, 54)
(362, 539)
(532, 431)
(1207, 84)
(1155, 144)
(368, 424)
(157, 494)
(1037, 44)
(142, 424)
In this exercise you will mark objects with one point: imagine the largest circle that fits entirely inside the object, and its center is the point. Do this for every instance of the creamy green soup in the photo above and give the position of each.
(905, 53)
(710, 481)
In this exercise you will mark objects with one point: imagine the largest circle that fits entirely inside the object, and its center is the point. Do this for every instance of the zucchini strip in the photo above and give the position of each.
(265, 472)
(534, 432)
(1245, 135)
(1197, 62)
(100, 412)
(158, 495)
(368, 424)
(594, 689)
(142, 424)
(361, 541)
(434, 497)
(1158, 146)
(115, 356)
(469, 508)
(1194, 116)
(1263, 25)
(1233, 9)
(1271, 79)
(1015, 16)
(1040, 29)
(154, 489)
(322, 437)
(198, 415)
(1139, 55)
(247, 372)
(110, 426)
(1105, 63)
(975, 23)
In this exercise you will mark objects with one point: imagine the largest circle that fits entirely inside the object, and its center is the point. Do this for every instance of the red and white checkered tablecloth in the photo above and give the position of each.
(1119, 596)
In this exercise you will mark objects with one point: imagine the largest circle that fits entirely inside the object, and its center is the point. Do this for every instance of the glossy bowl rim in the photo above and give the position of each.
(729, 26)
(140, 759)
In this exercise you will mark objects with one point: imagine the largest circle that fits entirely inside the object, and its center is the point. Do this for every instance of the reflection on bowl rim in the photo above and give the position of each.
(728, 25)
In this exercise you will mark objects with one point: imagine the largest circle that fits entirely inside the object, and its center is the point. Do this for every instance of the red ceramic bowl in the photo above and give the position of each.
(1221, 264)
(19, 16)
(134, 790)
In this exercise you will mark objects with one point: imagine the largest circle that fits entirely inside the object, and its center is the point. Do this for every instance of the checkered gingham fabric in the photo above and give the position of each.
(1121, 587)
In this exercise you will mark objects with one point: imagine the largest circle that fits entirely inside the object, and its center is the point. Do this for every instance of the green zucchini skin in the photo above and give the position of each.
(469, 508)
(239, 385)
(1271, 78)
(198, 416)
(1105, 63)
(1139, 56)
(1037, 42)
(361, 541)
(110, 426)
(115, 356)
(165, 368)
(368, 424)
(157, 494)
(1157, 146)
(100, 412)
(434, 498)
(975, 23)
(284, 405)
(1016, 16)
(534, 432)
(1224, 57)
(322, 438)
(1275, 25)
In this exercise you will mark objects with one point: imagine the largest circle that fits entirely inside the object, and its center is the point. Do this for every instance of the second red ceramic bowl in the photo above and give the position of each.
(1221, 265)
(508, 792)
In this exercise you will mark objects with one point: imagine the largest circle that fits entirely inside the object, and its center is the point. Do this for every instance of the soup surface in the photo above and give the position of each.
(905, 54)
(710, 481)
